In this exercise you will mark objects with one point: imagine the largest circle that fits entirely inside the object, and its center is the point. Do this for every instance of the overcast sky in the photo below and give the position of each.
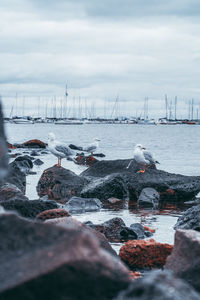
(129, 48)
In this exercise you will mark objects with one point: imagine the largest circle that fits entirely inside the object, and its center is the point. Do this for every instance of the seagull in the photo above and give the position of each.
(60, 150)
(91, 148)
(143, 157)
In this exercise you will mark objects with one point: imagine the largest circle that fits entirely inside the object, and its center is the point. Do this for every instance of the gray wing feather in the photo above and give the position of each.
(148, 156)
(64, 149)
(90, 148)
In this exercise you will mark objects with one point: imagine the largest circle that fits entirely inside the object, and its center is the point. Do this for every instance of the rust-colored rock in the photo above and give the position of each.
(52, 214)
(35, 143)
(10, 146)
(86, 160)
(139, 254)
(149, 229)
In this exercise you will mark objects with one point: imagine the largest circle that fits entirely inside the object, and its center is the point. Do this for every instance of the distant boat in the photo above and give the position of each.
(68, 122)
(190, 122)
(147, 122)
(21, 121)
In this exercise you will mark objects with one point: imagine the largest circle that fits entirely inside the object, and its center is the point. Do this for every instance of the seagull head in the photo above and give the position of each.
(51, 137)
(139, 146)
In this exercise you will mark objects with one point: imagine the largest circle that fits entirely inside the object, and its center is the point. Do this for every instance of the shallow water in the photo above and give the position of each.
(175, 147)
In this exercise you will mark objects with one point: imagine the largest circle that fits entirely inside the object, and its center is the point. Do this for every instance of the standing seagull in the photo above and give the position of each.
(60, 150)
(91, 148)
(143, 157)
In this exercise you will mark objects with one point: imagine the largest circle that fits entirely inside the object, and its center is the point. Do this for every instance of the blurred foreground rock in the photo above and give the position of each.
(190, 219)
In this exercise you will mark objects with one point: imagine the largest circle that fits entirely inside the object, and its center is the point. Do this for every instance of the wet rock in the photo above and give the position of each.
(115, 230)
(60, 184)
(105, 188)
(72, 223)
(98, 155)
(190, 219)
(9, 191)
(17, 176)
(149, 229)
(86, 160)
(49, 262)
(52, 214)
(44, 152)
(142, 254)
(38, 162)
(31, 144)
(171, 187)
(139, 230)
(149, 197)
(81, 205)
(24, 163)
(185, 260)
(28, 209)
(107, 167)
(10, 146)
(158, 285)
(74, 147)
(34, 153)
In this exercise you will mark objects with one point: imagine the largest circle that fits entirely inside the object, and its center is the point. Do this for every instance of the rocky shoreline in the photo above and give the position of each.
(47, 254)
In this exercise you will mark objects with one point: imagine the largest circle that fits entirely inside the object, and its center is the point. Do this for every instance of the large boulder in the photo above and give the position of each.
(10, 191)
(60, 184)
(28, 209)
(72, 223)
(35, 143)
(185, 259)
(149, 197)
(190, 219)
(158, 285)
(144, 255)
(44, 261)
(52, 214)
(105, 188)
(81, 205)
(16, 176)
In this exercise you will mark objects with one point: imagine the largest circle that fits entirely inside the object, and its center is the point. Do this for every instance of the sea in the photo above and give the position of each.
(176, 147)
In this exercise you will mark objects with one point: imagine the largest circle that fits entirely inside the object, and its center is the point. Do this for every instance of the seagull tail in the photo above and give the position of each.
(157, 162)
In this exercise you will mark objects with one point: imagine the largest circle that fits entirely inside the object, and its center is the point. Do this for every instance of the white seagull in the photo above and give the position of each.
(143, 157)
(60, 150)
(91, 148)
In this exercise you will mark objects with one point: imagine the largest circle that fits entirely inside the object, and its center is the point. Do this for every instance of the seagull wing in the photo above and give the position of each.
(148, 156)
(64, 149)
(90, 148)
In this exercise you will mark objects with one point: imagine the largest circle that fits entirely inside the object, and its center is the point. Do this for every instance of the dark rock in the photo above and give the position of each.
(149, 197)
(81, 205)
(190, 219)
(28, 209)
(139, 230)
(185, 260)
(107, 167)
(60, 184)
(192, 202)
(52, 214)
(9, 191)
(38, 162)
(34, 153)
(10, 146)
(98, 155)
(31, 144)
(74, 147)
(142, 254)
(71, 223)
(158, 285)
(115, 230)
(105, 188)
(24, 163)
(44, 152)
(16, 176)
(44, 261)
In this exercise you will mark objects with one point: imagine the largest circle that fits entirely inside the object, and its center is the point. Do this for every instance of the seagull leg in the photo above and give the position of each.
(142, 170)
(59, 162)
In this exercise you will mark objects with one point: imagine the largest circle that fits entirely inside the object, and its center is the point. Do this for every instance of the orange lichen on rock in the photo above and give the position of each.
(135, 275)
(10, 146)
(142, 254)
(86, 160)
(35, 142)
(149, 229)
(52, 214)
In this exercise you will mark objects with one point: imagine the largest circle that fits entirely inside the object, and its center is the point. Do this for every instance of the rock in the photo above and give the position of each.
(86, 160)
(158, 285)
(72, 223)
(52, 214)
(44, 261)
(28, 209)
(185, 260)
(10, 146)
(9, 191)
(190, 219)
(105, 188)
(115, 230)
(107, 167)
(31, 144)
(142, 254)
(16, 176)
(60, 184)
(24, 163)
(149, 229)
(149, 197)
(81, 205)
(139, 230)
(74, 147)
(38, 162)
(34, 153)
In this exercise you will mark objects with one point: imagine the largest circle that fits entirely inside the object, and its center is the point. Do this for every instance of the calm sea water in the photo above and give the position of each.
(175, 147)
